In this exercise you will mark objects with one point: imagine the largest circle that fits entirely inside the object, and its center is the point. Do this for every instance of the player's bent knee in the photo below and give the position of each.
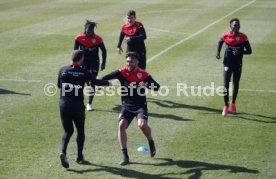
(123, 124)
(142, 123)
(69, 132)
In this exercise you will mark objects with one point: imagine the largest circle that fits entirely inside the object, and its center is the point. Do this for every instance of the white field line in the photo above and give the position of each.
(169, 10)
(198, 32)
(168, 31)
(21, 80)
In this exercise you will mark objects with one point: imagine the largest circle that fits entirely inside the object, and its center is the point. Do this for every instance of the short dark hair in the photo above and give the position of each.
(133, 55)
(131, 13)
(77, 55)
(234, 19)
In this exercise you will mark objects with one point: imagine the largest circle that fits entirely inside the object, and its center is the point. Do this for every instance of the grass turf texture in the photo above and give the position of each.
(192, 139)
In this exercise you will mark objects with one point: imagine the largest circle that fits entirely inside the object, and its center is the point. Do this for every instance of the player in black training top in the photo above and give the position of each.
(71, 81)
(237, 45)
(134, 34)
(91, 43)
(133, 81)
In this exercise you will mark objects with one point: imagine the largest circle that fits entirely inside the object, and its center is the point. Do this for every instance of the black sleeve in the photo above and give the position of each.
(219, 46)
(103, 49)
(58, 80)
(113, 75)
(152, 84)
(121, 38)
(247, 48)
(76, 45)
(141, 35)
(96, 81)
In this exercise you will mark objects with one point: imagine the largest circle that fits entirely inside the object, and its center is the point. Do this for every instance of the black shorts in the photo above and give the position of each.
(140, 113)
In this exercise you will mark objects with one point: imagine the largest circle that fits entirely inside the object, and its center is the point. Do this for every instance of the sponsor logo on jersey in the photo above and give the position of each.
(139, 75)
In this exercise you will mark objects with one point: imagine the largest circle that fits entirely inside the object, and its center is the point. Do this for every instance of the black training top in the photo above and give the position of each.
(137, 35)
(235, 42)
(91, 46)
(71, 81)
(133, 95)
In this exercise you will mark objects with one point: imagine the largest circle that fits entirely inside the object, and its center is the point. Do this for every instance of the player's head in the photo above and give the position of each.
(132, 60)
(77, 56)
(89, 27)
(131, 17)
(235, 25)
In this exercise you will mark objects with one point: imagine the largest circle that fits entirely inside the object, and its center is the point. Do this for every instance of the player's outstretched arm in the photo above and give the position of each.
(151, 83)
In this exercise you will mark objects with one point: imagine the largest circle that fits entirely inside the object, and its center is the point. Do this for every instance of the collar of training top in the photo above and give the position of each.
(89, 41)
(131, 29)
(234, 39)
(134, 76)
(75, 64)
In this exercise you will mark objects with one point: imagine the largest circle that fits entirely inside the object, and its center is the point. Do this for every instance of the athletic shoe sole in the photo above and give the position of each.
(64, 161)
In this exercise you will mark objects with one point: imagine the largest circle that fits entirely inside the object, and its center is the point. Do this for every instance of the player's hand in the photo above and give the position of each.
(120, 50)
(218, 57)
(127, 39)
(236, 52)
(97, 88)
(142, 84)
(102, 67)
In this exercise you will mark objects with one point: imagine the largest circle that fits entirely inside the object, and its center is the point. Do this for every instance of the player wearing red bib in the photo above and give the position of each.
(134, 35)
(237, 45)
(133, 80)
(90, 43)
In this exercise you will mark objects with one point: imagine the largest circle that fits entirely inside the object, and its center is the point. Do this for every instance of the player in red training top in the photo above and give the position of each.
(90, 43)
(237, 45)
(134, 34)
(133, 81)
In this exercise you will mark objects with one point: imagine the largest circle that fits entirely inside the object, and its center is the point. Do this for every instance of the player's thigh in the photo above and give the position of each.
(95, 69)
(142, 116)
(237, 74)
(79, 120)
(227, 73)
(126, 115)
(66, 120)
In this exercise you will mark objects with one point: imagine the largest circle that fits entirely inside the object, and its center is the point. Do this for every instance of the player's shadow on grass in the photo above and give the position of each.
(252, 117)
(255, 117)
(4, 91)
(174, 105)
(158, 115)
(196, 168)
(123, 172)
(117, 109)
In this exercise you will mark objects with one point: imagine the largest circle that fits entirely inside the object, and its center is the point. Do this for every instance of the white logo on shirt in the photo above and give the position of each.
(226, 68)
(139, 75)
